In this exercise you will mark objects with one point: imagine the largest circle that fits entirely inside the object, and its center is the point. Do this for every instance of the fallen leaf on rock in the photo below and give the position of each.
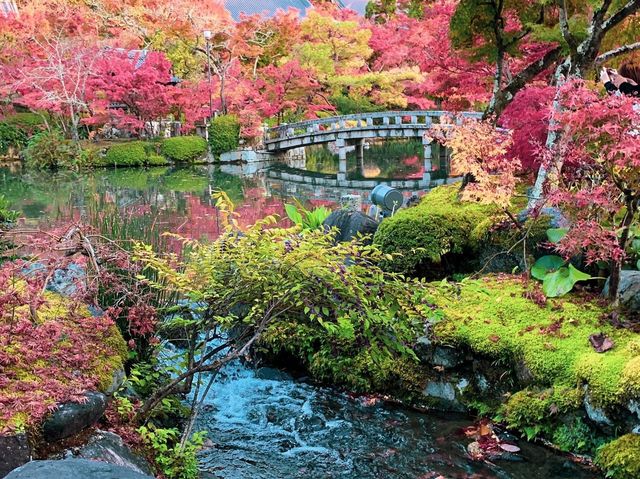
(601, 343)
(509, 447)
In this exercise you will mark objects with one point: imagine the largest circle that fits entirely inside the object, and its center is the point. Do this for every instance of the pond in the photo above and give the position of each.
(155, 200)
(264, 424)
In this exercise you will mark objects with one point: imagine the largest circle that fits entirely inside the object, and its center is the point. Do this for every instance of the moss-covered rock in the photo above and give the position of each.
(621, 458)
(440, 234)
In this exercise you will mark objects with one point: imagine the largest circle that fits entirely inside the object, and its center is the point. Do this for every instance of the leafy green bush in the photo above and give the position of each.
(347, 105)
(51, 150)
(184, 148)
(224, 134)
(173, 460)
(432, 234)
(308, 219)
(127, 154)
(340, 321)
(11, 137)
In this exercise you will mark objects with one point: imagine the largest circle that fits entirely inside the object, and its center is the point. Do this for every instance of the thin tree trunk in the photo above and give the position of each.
(627, 221)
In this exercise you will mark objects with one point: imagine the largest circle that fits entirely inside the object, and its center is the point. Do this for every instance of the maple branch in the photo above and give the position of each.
(629, 9)
(605, 57)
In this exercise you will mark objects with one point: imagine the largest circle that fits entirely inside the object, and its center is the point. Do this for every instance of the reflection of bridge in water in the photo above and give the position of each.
(349, 130)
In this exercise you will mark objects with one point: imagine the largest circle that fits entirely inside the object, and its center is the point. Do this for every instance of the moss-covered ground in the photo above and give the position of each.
(506, 319)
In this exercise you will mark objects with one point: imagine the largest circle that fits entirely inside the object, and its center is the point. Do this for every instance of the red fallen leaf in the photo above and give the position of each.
(601, 343)
(509, 447)
(494, 337)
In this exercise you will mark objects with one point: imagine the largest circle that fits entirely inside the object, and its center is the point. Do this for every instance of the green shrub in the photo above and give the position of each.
(51, 150)
(172, 460)
(224, 134)
(27, 122)
(6, 214)
(156, 160)
(127, 154)
(11, 137)
(347, 105)
(184, 148)
(433, 233)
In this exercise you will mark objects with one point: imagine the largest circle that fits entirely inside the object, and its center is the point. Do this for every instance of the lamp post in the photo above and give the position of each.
(208, 35)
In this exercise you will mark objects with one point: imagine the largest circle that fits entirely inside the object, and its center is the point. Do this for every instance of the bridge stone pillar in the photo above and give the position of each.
(342, 159)
(428, 167)
(360, 151)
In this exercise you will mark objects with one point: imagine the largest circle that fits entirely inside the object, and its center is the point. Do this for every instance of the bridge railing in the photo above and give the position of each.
(377, 120)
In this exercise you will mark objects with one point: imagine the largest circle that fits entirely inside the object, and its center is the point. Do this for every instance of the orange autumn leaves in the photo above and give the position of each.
(479, 149)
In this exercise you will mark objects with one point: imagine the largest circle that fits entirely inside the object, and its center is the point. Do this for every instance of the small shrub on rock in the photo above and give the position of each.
(184, 149)
(224, 134)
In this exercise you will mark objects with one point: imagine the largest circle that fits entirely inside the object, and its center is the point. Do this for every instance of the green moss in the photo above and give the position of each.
(495, 317)
(183, 149)
(621, 458)
(533, 411)
(438, 227)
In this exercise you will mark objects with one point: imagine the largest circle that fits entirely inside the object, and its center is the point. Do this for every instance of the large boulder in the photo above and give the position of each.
(350, 224)
(628, 290)
(108, 447)
(74, 469)
(71, 418)
(14, 451)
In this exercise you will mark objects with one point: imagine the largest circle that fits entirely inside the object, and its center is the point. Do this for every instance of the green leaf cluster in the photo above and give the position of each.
(51, 150)
(307, 219)
(558, 277)
(173, 460)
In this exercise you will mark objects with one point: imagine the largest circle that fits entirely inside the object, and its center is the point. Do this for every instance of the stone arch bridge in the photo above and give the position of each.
(353, 130)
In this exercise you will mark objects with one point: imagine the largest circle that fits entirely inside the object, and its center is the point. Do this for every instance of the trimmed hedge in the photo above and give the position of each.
(127, 154)
(184, 148)
(224, 134)
(438, 232)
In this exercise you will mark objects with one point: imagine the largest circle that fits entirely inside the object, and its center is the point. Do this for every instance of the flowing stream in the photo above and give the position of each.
(262, 424)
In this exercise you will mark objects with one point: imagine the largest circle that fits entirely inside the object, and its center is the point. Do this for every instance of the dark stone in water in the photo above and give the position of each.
(271, 374)
(350, 224)
(71, 418)
(14, 452)
(74, 469)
